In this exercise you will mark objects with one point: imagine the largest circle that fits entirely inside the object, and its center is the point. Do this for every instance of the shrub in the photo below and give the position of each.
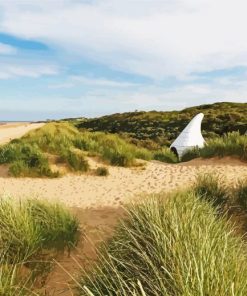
(211, 189)
(165, 155)
(175, 246)
(190, 154)
(102, 171)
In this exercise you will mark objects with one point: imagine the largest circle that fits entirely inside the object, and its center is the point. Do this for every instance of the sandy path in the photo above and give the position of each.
(11, 131)
(123, 184)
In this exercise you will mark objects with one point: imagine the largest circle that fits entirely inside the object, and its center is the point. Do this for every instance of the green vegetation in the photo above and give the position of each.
(111, 148)
(241, 195)
(102, 171)
(211, 189)
(27, 229)
(25, 159)
(230, 144)
(176, 245)
(154, 129)
(165, 155)
(29, 156)
(190, 154)
(32, 225)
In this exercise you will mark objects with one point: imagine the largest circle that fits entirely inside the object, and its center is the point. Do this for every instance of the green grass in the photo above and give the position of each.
(165, 155)
(176, 245)
(211, 189)
(231, 144)
(190, 154)
(25, 159)
(11, 282)
(28, 230)
(28, 156)
(32, 225)
(241, 194)
(111, 148)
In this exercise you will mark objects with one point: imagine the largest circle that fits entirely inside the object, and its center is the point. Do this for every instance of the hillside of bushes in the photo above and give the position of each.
(154, 129)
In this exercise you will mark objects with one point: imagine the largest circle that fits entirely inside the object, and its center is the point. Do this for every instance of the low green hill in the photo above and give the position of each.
(155, 128)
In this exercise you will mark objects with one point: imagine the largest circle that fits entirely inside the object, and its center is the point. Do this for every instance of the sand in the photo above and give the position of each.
(122, 184)
(15, 130)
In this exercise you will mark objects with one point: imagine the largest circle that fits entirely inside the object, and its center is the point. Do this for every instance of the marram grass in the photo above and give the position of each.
(174, 245)
(230, 144)
(27, 229)
(28, 226)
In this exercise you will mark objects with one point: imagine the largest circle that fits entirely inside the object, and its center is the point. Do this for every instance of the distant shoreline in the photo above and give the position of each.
(15, 122)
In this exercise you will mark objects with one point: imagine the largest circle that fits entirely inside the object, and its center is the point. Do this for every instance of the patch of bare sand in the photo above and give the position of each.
(97, 226)
(15, 130)
(122, 184)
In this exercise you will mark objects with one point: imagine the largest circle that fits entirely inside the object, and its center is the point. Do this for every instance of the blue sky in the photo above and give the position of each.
(69, 58)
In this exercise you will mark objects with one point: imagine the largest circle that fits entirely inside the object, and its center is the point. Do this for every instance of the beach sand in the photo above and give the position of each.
(122, 184)
(15, 130)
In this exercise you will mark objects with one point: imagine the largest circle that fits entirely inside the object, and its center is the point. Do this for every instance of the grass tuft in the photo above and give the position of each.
(165, 155)
(170, 246)
(32, 225)
(210, 188)
(102, 171)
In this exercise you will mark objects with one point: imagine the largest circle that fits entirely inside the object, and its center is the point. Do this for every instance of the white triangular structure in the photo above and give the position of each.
(190, 137)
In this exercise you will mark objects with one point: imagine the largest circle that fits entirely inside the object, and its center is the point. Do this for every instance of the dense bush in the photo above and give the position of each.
(170, 246)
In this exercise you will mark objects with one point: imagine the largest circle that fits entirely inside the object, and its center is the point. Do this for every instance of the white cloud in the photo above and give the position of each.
(7, 49)
(154, 38)
(102, 82)
(12, 70)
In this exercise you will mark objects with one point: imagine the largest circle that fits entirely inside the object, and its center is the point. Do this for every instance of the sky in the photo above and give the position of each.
(74, 58)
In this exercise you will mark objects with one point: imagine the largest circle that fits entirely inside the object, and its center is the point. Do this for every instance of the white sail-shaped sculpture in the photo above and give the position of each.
(190, 137)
